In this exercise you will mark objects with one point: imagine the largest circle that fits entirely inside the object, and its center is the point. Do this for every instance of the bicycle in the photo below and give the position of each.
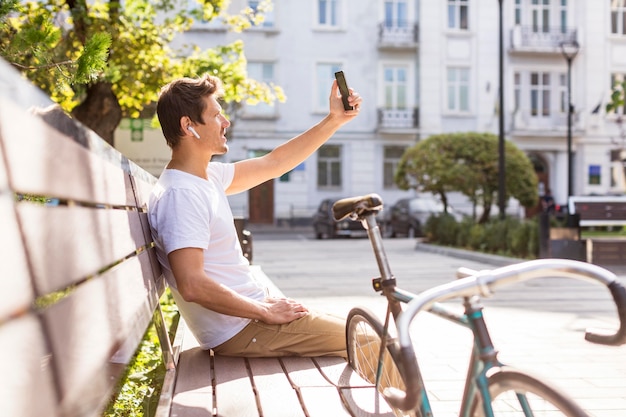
(492, 389)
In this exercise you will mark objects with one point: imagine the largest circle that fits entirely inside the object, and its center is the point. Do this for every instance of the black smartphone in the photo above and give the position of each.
(343, 89)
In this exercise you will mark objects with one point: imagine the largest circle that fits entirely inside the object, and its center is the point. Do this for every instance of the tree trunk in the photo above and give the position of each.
(100, 111)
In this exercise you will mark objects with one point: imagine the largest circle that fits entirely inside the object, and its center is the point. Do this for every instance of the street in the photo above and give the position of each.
(538, 326)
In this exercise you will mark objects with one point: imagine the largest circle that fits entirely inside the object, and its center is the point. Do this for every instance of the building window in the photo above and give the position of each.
(391, 160)
(329, 166)
(395, 85)
(618, 17)
(268, 15)
(325, 78)
(457, 14)
(540, 12)
(539, 94)
(563, 99)
(458, 89)
(396, 14)
(563, 16)
(263, 72)
(518, 12)
(328, 13)
(517, 92)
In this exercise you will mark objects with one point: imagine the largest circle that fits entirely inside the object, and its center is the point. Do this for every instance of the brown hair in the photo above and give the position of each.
(184, 97)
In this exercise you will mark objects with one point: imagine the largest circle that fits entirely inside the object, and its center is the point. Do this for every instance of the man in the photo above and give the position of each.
(196, 241)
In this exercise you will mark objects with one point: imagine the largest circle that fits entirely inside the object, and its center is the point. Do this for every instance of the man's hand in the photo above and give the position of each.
(283, 310)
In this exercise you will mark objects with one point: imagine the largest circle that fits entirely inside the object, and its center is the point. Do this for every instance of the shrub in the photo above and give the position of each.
(511, 236)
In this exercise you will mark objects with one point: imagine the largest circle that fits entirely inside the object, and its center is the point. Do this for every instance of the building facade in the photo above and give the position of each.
(423, 67)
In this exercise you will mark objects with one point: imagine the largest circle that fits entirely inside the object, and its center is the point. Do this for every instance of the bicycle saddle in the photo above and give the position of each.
(357, 206)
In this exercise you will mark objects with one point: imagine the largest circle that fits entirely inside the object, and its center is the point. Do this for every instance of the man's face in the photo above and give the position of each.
(213, 131)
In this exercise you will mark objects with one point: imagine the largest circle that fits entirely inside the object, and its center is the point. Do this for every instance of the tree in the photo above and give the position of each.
(467, 163)
(614, 105)
(103, 60)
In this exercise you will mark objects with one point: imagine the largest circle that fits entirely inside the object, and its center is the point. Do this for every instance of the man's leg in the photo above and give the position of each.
(316, 334)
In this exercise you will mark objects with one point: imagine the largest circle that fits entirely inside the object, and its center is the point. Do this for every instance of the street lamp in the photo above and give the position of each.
(501, 147)
(569, 49)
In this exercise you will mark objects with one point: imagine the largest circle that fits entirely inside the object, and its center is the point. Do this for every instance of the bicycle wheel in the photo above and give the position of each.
(364, 333)
(515, 394)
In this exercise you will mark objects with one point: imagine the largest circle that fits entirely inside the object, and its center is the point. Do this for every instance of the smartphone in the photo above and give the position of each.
(343, 89)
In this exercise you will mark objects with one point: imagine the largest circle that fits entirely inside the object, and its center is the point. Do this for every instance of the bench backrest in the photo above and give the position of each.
(78, 276)
(599, 210)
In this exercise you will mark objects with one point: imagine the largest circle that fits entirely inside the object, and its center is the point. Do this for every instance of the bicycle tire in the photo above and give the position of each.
(364, 333)
(505, 384)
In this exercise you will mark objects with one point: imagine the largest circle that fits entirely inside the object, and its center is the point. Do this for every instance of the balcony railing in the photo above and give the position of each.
(535, 38)
(555, 123)
(398, 35)
(392, 119)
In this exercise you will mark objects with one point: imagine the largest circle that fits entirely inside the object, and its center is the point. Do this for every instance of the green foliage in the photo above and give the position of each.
(444, 227)
(468, 163)
(64, 46)
(508, 237)
(617, 97)
(139, 390)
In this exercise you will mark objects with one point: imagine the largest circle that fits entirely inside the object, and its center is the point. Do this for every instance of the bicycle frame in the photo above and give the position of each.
(471, 285)
(483, 356)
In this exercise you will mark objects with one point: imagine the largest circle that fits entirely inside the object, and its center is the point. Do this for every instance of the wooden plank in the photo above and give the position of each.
(276, 395)
(27, 388)
(193, 395)
(15, 281)
(365, 402)
(303, 372)
(68, 244)
(609, 252)
(360, 396)
(45, 162)
(323, 401)
(339, 372)
(234, 391)
(100, 326)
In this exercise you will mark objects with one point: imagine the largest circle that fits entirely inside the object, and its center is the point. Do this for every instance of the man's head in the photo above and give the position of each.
(184, 97)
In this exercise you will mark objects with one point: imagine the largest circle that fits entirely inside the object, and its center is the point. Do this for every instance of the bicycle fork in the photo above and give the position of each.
(483, 358)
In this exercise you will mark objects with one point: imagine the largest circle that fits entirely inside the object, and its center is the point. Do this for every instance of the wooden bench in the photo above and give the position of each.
(81, 284)
(595, 211)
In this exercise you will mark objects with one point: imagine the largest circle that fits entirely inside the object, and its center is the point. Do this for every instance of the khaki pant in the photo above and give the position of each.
(316, 334)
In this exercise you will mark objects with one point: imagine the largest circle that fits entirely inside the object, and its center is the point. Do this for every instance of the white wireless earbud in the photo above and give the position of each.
(192, 130)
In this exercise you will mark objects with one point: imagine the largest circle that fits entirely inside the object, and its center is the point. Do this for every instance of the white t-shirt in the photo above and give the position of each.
(186, 211)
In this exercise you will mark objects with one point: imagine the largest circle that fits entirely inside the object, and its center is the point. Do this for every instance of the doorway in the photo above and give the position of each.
(261, 203)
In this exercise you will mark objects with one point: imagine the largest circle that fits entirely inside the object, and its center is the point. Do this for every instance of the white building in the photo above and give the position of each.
(422, 67)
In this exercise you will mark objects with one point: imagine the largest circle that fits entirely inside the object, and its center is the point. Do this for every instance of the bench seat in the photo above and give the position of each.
(213, 385)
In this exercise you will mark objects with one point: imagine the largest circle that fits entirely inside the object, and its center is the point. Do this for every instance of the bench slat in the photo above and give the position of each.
(277, 396)
(27, 388)
(235, 396)
(15, 281)
(68, 244)
(193, 395)
(365, 402)
(86, 353)
(45, 162)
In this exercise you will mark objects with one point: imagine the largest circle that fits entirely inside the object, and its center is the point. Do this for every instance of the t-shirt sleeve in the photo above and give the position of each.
(182, 220)
(223, 173)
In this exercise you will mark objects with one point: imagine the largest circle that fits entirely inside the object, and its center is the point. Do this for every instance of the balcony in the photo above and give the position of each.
(527, 39)
(398, 120)
(526, 122)
(398, 36)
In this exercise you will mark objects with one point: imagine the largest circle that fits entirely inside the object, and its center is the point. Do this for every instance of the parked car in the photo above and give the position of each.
(326, 227)
(408, 216)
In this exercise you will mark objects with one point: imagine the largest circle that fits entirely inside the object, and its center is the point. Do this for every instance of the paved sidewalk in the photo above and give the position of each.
(537, 326)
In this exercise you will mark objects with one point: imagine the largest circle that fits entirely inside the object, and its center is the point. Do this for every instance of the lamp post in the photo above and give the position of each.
(569, 49)
(501, 148)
